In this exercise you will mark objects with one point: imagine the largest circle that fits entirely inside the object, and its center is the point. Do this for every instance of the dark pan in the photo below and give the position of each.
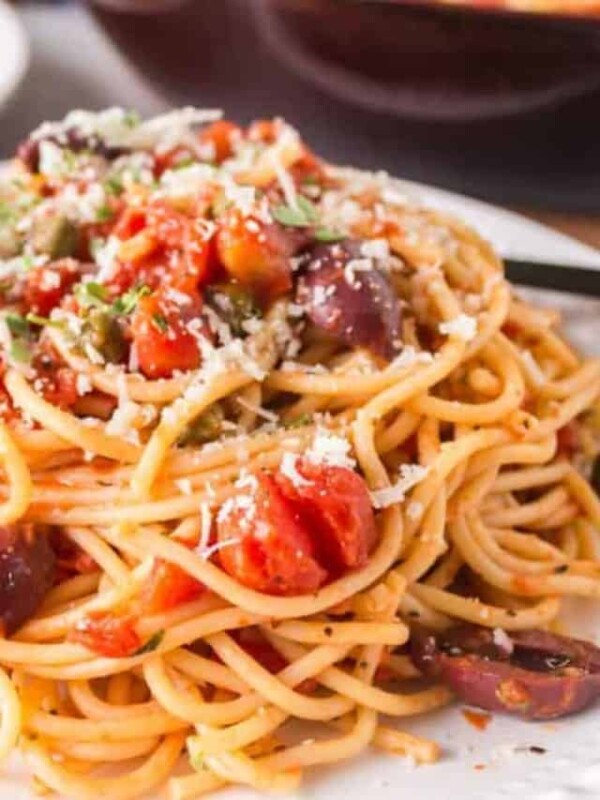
(426, 60)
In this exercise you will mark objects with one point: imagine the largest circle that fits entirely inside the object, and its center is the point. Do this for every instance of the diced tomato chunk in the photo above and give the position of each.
(108, 634)
(169, 586)
(162, 340)
(335, 505)
(131, 221)
(256, 254)
(265, 546)
(222, 136)
(45, 286)
(283, 536)
(177, 250)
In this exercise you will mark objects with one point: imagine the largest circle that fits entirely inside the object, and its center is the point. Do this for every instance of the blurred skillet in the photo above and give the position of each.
(427, 60)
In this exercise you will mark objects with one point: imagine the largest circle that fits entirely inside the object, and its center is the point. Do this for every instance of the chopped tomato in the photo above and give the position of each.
(256, 254)
(289, 537)
(177, 250)
(222, 137)
(264, 544)
(162, 339)
(263, 130)
(108, 634)
(335, 505)
(45, 286)
(168, 587)
(131, 221)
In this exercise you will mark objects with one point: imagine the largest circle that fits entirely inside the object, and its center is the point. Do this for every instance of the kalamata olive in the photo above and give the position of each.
(75, 141)
(26, 573)
(348, 297)
(533, 674)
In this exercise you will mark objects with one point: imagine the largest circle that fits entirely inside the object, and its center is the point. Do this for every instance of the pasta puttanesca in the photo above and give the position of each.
(205, 332)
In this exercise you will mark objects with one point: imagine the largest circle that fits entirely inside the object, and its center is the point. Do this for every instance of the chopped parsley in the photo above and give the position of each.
(152, 644)
(113, 186)
(127, 302)
(328, 235)
(17, 324)
(303, 215)
(35, 319)
(91, 294)
(105, 213)
(20, 351)
(160, 323)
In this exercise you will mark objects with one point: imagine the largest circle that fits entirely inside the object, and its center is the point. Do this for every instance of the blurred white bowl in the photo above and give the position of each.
(14, 52)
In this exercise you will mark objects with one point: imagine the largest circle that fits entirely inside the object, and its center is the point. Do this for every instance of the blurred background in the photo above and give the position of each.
(504, 107)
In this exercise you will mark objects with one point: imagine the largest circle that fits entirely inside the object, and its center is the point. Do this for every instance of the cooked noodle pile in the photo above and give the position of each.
(470, 427)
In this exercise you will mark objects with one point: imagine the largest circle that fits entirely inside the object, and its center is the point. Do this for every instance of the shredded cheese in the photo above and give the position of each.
(410, 476)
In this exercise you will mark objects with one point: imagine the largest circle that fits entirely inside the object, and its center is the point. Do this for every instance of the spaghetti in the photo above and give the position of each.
(263, 420)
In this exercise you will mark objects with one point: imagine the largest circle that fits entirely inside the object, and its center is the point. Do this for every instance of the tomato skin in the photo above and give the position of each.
(222, 135)
(336, 507)
(45, 286)
(256, 254)
(108, 634)
(161, 352)
(169, 586)
(275, 554)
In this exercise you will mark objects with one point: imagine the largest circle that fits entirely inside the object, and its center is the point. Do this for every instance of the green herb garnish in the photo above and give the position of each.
(105, 213)
(35, 319)
(303, 215)
(160, 323)
(127, 302)
(152, 644)
(328, 235)
(91, 294)
(20, 351)
(113, 186)
(17, 324)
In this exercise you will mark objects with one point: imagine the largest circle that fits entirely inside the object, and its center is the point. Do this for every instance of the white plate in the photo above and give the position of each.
(570, 769)
(14, 52)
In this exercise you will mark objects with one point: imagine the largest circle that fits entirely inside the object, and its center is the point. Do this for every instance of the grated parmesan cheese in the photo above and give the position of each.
(415, 510)
(184, 485)
(409, 356)
(502, 640)
(83, 384)
(352, 267)
(410, 476)
(375, 248)
(462, 327)
(270, 416)
(207, 552)
(288, 468)
(330, 449)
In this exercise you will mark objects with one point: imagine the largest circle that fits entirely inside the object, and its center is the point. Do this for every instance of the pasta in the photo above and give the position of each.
(263, 419)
